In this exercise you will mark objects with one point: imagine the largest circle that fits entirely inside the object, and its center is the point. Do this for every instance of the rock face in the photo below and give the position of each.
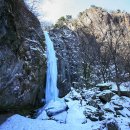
(66, 45)
(100, 33)
(22, 60)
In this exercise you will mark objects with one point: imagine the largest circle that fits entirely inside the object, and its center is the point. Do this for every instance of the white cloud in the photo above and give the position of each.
(54, 9)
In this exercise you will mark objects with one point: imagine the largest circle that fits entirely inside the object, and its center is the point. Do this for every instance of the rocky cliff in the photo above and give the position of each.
(89, 49)
(104, 44)
(66, 44)
(22, 60)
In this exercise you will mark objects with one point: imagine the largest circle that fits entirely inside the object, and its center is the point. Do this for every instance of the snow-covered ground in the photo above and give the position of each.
(80, 114)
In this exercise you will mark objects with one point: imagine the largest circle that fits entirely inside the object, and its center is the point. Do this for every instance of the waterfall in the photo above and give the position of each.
(51, 81)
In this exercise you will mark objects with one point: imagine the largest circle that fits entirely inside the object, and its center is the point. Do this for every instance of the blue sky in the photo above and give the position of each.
(53, 9)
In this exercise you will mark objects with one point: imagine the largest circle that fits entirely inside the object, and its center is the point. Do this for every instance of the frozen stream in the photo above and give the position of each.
(51, 81)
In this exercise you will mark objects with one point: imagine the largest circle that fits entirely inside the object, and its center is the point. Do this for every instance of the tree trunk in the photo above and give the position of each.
(118, 88)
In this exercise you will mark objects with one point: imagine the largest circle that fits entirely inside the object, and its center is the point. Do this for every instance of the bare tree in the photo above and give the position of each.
(33, 6)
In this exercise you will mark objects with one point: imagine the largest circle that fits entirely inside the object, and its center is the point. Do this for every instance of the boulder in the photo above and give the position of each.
(55, 107)
(112, 124)
(54, 110)
(93, 113)
(105, 96)
(93, 118)
(104, 86)
(93, 103)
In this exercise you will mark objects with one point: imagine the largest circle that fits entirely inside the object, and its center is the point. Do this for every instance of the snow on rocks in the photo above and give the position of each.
(18, 122)
(55, 107)
(109, 107)
(74, 95)
(76, 115)
(121, 105)
(121, 101)
(111, 124)
(124, 87)
(91, 113)
(125, 112)
(94, 114)
(87, 94)
(54, 110)
(106, 95)
(104, 86)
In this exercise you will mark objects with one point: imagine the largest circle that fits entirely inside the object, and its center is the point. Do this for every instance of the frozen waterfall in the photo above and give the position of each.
(51, 81)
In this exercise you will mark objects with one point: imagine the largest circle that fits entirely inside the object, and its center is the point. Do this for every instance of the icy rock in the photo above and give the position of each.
(55, 107)
(94, 96)
(54, 110)
(110, 124)
(90, 109)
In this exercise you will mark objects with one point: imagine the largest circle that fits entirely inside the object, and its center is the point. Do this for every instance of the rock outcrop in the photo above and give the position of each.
(22, 60)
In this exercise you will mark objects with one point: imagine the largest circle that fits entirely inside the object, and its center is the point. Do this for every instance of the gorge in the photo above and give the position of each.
(77, 66)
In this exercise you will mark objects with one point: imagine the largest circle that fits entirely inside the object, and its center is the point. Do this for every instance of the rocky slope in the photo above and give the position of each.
(22, 60)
